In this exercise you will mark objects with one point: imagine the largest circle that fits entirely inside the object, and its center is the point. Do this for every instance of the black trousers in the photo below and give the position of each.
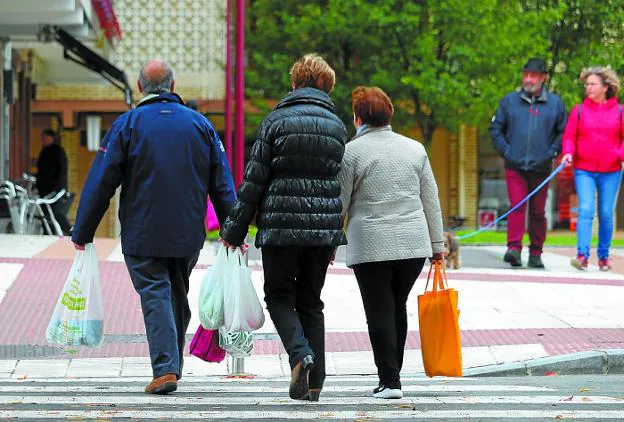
(293, 280)
(163, 284)
(385, 287)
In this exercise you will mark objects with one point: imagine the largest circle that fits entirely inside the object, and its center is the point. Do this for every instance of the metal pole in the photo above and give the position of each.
(228, 83)
(4, 111)
(238, 366)
(240, 92)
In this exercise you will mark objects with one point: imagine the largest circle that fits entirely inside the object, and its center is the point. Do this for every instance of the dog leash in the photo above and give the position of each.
(518, 205)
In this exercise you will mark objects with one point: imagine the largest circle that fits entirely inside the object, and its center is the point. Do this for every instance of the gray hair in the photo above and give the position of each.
(157, 84)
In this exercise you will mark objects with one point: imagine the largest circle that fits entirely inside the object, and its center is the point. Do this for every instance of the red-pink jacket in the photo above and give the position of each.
(595, 143)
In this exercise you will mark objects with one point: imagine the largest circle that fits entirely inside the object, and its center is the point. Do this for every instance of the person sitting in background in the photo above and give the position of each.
(592, 143)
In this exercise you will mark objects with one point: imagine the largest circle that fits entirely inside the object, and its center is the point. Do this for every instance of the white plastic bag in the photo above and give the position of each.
(78, 318)
(211, 292)
(242, 308)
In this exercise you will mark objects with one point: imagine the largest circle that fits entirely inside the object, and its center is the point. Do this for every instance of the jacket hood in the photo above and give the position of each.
(307, 96)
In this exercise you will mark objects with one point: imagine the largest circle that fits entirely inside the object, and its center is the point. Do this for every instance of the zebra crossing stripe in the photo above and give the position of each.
(289, 414)
(208, 379)
(251, 389)
(325, 400)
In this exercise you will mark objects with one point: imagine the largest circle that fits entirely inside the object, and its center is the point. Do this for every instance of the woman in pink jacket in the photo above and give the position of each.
(592, 142)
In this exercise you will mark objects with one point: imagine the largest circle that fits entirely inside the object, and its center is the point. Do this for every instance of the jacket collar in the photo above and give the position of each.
(168, 97)
(307, 96)
(611, 102)
(543, 98)
(372, 129)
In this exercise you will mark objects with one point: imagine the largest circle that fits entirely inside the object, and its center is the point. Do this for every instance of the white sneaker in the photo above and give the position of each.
(383, 392)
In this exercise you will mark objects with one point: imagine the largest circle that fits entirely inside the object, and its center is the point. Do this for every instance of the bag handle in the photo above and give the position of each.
(439, 276)
(237, 257)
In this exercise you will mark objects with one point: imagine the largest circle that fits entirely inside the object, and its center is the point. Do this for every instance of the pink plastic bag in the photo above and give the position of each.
(212, 222)
(205, 345)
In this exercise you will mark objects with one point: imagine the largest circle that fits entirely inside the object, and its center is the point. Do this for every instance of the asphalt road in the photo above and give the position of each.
(594, 398)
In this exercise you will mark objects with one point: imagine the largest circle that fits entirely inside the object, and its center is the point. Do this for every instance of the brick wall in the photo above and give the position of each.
(100, 92)
(469, 155)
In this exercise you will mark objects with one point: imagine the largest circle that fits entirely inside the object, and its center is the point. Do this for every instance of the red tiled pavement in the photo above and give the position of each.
(554, 340)
(617, 262)
(64, 249)
(28, 304)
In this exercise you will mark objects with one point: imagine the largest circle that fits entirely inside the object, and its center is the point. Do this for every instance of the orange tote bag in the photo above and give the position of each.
(438, 319)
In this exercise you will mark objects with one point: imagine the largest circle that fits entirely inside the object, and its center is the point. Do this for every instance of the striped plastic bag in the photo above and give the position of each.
(238, 344)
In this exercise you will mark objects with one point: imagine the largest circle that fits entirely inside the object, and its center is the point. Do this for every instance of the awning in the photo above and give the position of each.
(79, 53)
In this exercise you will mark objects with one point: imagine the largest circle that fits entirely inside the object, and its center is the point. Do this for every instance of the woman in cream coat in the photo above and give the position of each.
(390, 198)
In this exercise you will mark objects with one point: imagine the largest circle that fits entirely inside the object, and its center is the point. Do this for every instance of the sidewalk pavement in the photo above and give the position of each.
(507, 315)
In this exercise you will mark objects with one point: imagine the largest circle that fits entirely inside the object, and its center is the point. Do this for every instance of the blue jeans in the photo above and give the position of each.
(587, 183)
(163, 284)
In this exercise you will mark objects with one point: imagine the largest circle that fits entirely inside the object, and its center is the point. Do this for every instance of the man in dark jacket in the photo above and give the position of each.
(291, 187)
(526, 131)
(52, 175)
(168, 159)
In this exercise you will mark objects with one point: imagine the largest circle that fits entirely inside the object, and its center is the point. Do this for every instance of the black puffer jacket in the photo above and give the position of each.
(290, 181)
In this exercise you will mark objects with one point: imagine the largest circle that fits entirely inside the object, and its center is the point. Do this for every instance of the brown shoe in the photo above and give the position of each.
(163, 385)
(299, 385)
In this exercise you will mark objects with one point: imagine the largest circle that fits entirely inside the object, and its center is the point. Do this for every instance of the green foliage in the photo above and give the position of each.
(552, 239)
(443, 62)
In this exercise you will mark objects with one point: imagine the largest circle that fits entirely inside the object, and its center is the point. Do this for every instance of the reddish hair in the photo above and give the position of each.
(372, 106)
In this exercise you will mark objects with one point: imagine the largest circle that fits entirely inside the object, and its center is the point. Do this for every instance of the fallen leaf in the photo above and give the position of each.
(22, 377)
(586, 399)
(406, 406)
(584, 389)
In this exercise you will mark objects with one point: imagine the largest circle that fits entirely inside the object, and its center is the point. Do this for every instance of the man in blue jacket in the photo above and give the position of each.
(526, 131)
(167, 159)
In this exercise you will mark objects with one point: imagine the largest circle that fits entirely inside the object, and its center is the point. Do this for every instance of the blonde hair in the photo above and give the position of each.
(313, 71)
(606, 75)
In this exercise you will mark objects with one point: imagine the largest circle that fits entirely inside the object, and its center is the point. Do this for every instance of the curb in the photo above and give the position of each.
(595, 362)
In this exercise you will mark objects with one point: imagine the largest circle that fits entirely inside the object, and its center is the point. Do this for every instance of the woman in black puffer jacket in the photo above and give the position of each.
(291, 187)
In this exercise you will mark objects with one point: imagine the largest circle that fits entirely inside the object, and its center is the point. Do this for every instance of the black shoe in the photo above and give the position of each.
(299, 385)
(512, 256)
(535, 261)
(313, 394)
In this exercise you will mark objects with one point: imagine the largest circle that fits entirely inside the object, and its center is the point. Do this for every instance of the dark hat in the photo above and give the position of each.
(535, 65)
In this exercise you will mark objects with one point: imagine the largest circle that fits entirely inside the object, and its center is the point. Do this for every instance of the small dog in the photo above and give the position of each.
(451, 251)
